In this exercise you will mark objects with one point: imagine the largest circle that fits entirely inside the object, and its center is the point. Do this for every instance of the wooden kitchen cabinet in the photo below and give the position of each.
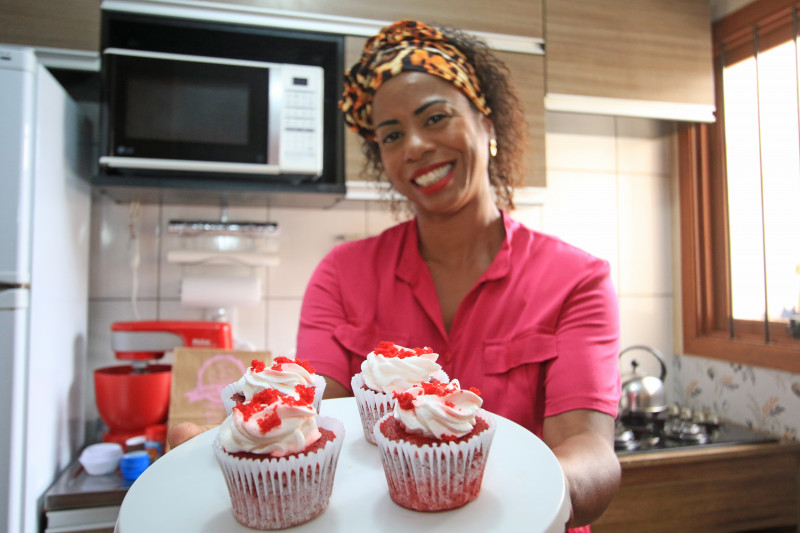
(527, 71)
(630, 57)
(70, 24)
(511, 17)
(722, 489)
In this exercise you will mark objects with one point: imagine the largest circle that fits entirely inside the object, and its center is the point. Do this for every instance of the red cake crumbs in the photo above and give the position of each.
(269, 422)
(248, 409)
(390, 349)
(270, 396)
(393, 429)
(436, 388)
(306, 394)
(266, 396)
(257, 366)
(278, 362)
(405, 400)
(327, 436)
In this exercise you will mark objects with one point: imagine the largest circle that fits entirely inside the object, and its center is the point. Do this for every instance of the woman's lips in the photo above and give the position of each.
(431, 179)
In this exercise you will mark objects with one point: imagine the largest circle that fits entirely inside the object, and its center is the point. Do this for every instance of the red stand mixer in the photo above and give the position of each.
(133, 396)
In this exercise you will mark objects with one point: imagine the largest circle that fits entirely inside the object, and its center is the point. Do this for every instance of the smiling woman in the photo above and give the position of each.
(523, 317)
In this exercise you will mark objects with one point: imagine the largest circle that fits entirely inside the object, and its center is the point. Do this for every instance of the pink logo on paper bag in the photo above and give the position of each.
(214, 375)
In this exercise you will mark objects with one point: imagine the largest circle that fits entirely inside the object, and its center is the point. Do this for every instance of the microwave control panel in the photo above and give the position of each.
(300, 137)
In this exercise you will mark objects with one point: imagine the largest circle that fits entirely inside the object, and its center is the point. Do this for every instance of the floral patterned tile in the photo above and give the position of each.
(762, 399)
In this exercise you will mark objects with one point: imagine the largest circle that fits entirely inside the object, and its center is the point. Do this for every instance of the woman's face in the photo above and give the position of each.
(434, 145)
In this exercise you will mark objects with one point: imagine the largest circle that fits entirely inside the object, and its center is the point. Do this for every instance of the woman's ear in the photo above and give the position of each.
(489, 126)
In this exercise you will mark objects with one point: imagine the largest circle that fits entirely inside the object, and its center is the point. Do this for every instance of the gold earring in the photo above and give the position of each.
(493, 147)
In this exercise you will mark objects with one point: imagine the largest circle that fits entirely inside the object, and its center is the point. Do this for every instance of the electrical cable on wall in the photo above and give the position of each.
(135, 258)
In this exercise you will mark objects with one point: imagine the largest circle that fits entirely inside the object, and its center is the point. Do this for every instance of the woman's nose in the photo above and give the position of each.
(416, 145)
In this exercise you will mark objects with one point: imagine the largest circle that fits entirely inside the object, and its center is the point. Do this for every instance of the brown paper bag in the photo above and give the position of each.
(198, 377)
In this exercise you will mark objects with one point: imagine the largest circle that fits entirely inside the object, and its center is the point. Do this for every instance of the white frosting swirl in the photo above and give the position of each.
(438, 409)
(285, 380)
(295, 432)
(390, 373)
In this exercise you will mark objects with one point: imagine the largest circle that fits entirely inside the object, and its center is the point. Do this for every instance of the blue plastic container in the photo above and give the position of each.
(133, 464)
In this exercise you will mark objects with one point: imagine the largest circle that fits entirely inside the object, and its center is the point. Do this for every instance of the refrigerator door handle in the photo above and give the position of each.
(14, 296)
(5, 286)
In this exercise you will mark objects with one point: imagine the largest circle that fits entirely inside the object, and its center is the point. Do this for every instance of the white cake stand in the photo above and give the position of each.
(523, 490)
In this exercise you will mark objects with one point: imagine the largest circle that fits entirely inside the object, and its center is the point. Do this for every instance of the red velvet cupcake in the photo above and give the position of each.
(278, 459)
(388, 369)
(434, 446)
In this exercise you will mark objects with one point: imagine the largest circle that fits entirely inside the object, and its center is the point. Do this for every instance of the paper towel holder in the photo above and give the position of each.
(213, 257)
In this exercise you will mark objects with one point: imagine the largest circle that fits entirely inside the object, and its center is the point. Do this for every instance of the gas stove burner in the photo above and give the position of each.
(623, 437)
(627, 445)
(688, 433)
(678, 428)
(631, 437)
(687, 426)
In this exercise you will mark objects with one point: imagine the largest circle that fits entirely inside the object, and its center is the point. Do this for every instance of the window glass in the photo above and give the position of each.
(763, 171)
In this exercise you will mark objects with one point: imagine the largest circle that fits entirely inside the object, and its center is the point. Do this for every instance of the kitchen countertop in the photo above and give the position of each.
(75, 489)
(699, 453)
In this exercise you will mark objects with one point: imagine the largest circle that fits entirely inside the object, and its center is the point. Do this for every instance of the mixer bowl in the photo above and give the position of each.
(129, 400)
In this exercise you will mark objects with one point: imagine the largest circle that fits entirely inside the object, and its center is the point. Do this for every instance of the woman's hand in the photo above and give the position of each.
(180, 433)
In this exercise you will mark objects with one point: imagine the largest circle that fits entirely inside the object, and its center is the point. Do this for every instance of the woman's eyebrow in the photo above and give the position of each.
(425, 106)
(417, 111)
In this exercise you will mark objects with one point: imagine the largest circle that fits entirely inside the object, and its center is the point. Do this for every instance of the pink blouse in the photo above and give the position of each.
(538, 334)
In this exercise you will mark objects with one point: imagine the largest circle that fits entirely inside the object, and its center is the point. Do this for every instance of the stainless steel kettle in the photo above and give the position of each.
(643, 395)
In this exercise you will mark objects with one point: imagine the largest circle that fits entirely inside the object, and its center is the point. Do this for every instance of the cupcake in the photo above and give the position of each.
(283, 374)
(388, 369)
(278, 459)
(434, 446)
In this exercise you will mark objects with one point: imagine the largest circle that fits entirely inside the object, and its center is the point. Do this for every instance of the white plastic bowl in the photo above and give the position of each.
(101, 459)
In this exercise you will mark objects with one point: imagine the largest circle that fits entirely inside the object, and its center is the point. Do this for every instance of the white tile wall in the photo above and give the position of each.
(608, 192)
(608, 181)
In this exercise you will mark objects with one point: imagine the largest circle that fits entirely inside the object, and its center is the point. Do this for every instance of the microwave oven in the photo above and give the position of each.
(174, 113)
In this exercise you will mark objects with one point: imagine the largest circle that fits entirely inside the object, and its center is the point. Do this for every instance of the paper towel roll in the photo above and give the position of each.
(219, 291)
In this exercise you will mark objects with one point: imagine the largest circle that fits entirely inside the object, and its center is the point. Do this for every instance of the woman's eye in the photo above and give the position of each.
(390, 137)
(438, 117)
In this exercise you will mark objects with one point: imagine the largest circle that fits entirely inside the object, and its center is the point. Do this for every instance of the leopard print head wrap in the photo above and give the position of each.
(404, 46)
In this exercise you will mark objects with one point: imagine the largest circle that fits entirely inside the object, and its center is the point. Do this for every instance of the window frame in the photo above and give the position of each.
(705, 272)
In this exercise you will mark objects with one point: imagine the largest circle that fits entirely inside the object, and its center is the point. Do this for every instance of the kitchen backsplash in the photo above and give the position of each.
(764, 399)
(609, 191)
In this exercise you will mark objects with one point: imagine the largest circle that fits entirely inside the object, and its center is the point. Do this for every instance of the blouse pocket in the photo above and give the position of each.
(513, 384)
(503, 355)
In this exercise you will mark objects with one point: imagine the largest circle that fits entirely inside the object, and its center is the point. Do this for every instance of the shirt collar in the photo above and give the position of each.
(409, 260)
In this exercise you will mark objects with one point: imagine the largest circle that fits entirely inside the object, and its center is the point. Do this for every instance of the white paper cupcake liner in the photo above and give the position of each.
(438, 477)
(277, 493)
(319, 390)
(373, 405)
(230, 390)
(226, 394)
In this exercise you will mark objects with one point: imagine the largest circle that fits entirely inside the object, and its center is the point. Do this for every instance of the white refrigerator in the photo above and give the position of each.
(45, 150)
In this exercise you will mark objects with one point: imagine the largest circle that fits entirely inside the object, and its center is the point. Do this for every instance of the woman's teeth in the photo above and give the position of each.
(429, 178)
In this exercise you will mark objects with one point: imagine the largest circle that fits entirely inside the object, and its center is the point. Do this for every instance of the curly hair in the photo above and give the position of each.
(507, 168)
